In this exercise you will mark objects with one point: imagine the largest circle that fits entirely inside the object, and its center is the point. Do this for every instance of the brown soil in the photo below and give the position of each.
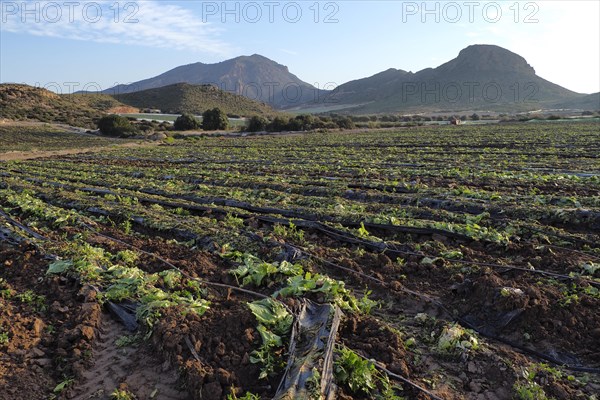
(136, 369)
(48, 337)
(65, 335)
(222, 339)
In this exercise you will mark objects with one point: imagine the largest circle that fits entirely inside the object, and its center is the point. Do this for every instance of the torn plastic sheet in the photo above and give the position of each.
(310, 365)
(124, 312)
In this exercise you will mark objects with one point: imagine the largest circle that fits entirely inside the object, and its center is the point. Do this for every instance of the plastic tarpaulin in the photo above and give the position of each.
(309, 372)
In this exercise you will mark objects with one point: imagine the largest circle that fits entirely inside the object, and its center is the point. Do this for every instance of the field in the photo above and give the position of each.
(27, 140)
(431, 262)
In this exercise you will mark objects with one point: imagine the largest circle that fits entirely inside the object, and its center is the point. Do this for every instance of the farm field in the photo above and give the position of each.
(432, 262)
(41, 137)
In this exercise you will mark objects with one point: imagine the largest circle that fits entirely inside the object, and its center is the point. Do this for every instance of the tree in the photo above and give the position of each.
(345, 123)
(304, 122)
(279, 124)
(295, 124)
(475, 117)
(116, 125)
(257, 124)
(215, 119)
(186, 122)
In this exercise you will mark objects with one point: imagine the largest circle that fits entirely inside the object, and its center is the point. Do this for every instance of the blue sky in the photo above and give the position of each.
(63, 45)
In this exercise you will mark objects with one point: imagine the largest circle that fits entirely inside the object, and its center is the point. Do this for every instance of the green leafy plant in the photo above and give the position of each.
(64, 384)
(272, 314)
(590, 268)
(529, 391)
(6, 292)
(456, 339)
(247, 396)
(290, 232)
(355, 372)
(127, 340)
(333, 290)
(362, 377)
(122, 394)
(35, 300)
(313, 385)
(274, 323)
(452, 254)
(128, 257)
(126, 227)
(362, 231)
(4, 339)
(255, 271)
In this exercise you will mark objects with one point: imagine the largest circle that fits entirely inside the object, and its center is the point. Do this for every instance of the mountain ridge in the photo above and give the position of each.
(255, 77)
(482, 76)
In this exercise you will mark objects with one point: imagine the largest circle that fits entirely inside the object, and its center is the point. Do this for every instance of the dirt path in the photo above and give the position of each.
(136, 367)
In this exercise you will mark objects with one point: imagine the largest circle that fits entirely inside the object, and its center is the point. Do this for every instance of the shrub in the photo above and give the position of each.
(116, 125)
(186, 122)
(278, 124)
(257, 124)
(345, 123)
(214, 119)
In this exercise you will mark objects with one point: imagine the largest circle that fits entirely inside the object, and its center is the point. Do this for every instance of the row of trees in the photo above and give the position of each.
(212, 120)
(414, 118)
(119, 126)
(216, 119)
(302, 122)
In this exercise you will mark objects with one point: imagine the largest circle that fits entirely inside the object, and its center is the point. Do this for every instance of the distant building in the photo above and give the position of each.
(455, 121)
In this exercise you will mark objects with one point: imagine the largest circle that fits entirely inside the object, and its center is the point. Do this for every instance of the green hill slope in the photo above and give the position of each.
(194, 99)
(590, 102)
(28, 103)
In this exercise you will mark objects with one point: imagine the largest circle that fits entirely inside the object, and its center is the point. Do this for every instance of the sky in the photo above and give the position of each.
(68, 45)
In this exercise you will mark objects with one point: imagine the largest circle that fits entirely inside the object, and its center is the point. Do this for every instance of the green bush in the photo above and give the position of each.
(215, 119)
(279, 124)
(116, 125)
(186, 122)
(257, 124)
(345, 123)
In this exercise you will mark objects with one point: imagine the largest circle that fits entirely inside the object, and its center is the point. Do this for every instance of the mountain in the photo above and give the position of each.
(195, 99)
(373, 88)
(23, 102)
(255, 77)
(482, 77)
(590, 102)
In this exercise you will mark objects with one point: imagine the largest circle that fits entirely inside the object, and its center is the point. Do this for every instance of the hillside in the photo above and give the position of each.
(255, 77)
(23, 102)
(195, 99)
(590, 102)
(482, 77)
